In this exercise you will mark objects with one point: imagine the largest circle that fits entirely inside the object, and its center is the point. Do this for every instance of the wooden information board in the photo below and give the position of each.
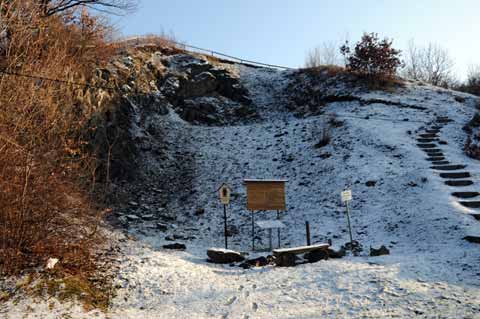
(266, 194)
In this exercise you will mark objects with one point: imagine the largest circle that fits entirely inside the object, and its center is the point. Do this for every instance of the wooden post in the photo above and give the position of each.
(307, 227)
(278, 230)
(225, 225)
(253, 232)
(270, 239)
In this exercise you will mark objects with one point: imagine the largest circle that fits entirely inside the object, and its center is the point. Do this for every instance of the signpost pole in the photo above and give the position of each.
(253, 233)
(225, 200)
(225, 225)
(307, 228)
(349, 225)
(278, 230)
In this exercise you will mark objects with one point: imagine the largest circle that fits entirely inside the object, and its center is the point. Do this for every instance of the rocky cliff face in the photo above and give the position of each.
(158, 83)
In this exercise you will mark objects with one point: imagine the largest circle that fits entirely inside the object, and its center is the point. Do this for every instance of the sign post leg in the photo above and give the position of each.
(307, 228)
(225, 225)
(349, 226)
(270, 239)
(253, 233)
(278, 230)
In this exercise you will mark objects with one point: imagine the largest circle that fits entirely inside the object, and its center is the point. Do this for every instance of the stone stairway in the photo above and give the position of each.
(454, 175)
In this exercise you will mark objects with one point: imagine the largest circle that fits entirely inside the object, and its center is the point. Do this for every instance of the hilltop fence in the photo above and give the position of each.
(156, 40)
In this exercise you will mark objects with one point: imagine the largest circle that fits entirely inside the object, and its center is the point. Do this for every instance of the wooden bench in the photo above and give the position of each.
(285, 257)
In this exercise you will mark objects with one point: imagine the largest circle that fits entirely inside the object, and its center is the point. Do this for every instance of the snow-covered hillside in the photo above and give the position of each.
(398, 201)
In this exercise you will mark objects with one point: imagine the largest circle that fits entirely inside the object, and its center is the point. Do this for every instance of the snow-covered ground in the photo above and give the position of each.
(431, 271)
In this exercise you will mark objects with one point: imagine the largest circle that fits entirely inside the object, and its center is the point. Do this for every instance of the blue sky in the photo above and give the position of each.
(282, 31)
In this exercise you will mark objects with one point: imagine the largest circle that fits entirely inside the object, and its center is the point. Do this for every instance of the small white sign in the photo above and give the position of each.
(346, 196)
(225, 194)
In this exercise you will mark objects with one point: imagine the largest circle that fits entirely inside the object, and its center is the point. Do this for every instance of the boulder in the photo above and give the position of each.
(355, 247)
(336, 254)
(286, 260)
(224, 256)
(316, 255)
(175, 246)
(201, 110)
(229, 86)
(371, 183)
(379, 252)
(201, 85)
(187, 63)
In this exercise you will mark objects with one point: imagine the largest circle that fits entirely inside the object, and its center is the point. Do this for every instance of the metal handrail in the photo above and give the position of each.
(213, 53)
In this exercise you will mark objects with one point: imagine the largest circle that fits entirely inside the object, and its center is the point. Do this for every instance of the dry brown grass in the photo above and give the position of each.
(46, 167)
(167, 43)
(388, 83)
(328, 70)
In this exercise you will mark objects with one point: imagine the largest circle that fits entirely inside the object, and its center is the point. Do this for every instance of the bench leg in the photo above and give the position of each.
(270, 239)
(285, 260)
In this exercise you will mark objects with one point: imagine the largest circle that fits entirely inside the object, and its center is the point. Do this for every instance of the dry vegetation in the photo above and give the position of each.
(47, 167)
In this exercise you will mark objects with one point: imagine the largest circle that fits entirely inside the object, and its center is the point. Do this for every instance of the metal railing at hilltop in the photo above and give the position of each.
(146, 40)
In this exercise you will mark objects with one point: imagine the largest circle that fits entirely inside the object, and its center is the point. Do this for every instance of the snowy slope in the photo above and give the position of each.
(431, 271)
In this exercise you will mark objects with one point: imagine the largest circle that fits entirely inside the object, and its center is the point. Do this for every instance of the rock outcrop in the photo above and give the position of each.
(224, 256)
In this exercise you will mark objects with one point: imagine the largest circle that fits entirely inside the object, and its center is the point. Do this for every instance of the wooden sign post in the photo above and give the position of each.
(268, 194)
(347, 198)
(225, 199)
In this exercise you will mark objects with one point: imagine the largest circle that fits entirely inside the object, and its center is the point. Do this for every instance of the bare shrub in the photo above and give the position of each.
(322, 134)
(325, 55)
(431, 64)
(45, 163)
(472, 84)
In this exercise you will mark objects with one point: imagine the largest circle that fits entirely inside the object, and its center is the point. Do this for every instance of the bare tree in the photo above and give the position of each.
(326, 54)
(431, 64)
(472, 84)
(116, 7)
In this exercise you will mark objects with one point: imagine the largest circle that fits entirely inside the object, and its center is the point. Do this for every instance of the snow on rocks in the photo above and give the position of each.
(224, 256)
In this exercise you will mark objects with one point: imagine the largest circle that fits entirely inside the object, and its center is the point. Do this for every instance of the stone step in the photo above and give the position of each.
(436, 131)
(456, 183)
(472, 239)
(437, 127)
(444, 120)
(435, 158)
(432, 150)
(448, 167)
(455, 175)
(475, 204)
(440, 162)
(427, 135)
(465, 194)
(422, 145)
(426, 140)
